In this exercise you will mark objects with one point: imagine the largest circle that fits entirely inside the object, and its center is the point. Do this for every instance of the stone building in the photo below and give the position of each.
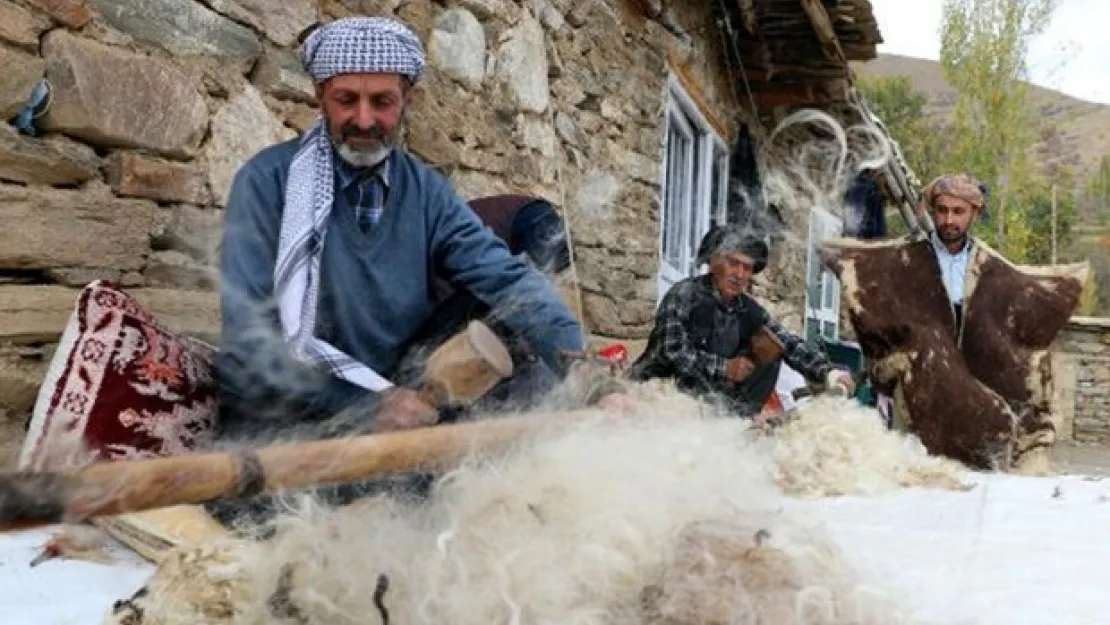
(1081, 366)
(624, 113)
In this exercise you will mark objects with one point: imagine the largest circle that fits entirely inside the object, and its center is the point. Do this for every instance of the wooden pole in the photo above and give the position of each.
(1002, 220)
(122, 486)
(458, 372)
(1054, 224)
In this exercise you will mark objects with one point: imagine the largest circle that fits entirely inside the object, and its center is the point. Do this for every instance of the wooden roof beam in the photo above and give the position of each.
(826, 34)
(799, 94)
(784, 73)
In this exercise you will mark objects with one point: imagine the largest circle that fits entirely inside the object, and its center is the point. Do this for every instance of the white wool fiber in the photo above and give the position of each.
(670, 515)
(642, 518)
(838, 447)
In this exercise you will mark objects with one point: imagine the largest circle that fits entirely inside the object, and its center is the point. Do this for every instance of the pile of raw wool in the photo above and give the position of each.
(650, 518)
(839, 447)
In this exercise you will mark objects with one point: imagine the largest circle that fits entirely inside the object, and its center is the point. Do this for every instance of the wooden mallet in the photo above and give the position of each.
(460, 371)
(465, 367)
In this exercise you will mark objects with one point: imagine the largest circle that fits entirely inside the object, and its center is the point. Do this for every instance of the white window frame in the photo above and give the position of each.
(825, 289)
(692, 191)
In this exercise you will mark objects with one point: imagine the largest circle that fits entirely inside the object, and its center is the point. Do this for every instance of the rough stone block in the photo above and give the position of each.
(281, 22)
(21, 27)
(133, 174)
(299, 117)
(12, 434)
(192, 231)
(232, 9)
(240, 129)
(420, 16)
(20, 378)
(183, 29)
(280, 74)
(51, 160)
(471, 184)
(39, 313)
(537, 135)
(73, 228)
(487, 9)
(170, 269)
(115, 98)
(80, 276)
(522, 65)
(22, 71)
(458, 47)
(72, 13)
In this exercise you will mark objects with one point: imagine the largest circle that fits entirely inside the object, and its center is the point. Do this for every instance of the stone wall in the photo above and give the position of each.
(1081, 360)
(156, 103)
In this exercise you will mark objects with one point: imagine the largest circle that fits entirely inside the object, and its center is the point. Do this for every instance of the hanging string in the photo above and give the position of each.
(571, 254)
(726, 19)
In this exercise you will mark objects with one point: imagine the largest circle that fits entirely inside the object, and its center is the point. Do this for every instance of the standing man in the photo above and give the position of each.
(954, 201)
(331, 247)
(706, 328)
(959, 336)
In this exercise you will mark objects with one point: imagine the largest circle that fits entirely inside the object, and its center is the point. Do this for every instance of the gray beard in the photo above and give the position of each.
(363, 158)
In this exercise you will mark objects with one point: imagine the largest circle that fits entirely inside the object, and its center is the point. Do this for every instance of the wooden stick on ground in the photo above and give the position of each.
(107, 488)
(460, 371)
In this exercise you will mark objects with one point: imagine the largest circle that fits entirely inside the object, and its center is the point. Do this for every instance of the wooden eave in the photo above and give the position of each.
(797, 52)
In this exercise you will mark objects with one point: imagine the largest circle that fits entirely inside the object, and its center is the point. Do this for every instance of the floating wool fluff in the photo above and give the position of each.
(640, 519)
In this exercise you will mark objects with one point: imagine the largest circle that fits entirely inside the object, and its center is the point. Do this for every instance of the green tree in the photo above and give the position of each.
(1089, 297)
(1096, 191)
(902, 108)
(984, 44)
(1100, 272)
(1038, 217)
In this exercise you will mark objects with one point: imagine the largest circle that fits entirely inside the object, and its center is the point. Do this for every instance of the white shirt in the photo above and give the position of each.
(953, 267)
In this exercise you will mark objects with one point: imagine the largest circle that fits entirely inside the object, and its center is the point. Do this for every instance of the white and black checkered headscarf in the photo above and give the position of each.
(360, 45)
(363, 45)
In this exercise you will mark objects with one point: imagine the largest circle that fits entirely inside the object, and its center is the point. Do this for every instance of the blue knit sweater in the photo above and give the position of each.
(375, 288)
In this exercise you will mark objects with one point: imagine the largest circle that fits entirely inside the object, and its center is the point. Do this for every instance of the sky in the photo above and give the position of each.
(1072, 56)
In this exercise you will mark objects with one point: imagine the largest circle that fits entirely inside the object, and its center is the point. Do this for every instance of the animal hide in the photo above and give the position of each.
(981, 396)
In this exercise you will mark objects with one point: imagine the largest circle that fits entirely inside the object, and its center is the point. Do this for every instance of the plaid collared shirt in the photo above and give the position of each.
(677, 346)
(366, 191)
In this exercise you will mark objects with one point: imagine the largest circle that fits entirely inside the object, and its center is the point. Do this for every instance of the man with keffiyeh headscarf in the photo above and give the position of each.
(332, 245)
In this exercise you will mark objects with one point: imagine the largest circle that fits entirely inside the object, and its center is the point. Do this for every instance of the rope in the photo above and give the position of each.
(739, 60)
(565, 208)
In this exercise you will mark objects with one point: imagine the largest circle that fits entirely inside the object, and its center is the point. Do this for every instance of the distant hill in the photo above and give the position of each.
(1083, 135)
(1081, 138)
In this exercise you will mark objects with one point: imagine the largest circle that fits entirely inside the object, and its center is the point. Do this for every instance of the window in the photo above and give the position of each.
(822, 286)
(695, 184)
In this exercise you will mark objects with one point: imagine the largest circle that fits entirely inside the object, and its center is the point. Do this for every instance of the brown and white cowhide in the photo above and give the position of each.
(983, 396)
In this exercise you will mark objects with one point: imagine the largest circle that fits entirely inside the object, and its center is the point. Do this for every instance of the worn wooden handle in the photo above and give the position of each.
(115, 487)
(460, 371)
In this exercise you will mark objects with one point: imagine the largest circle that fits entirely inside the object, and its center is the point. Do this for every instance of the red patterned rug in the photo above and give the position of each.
(120, 386)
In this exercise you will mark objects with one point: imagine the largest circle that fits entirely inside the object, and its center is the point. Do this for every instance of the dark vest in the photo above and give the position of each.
(712, 327)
